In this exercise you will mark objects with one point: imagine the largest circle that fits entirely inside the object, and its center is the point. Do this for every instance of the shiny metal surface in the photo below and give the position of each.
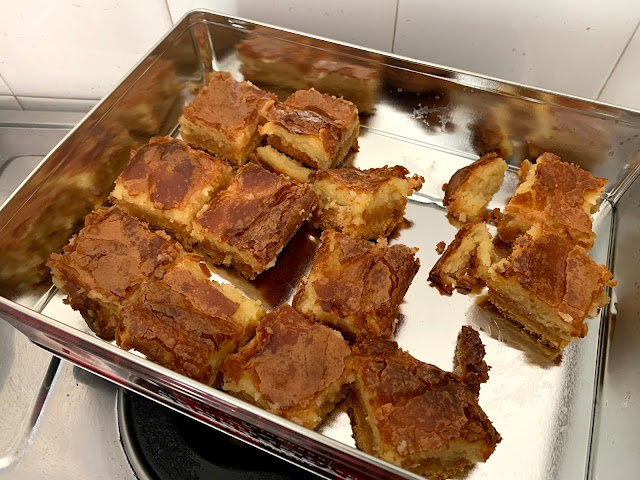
(77, 433)
(617, 431)
(433, 121)
(41, 400)
(26, 371)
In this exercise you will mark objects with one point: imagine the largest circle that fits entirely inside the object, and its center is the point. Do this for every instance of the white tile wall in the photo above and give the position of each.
(568, 46)
(368, 23)
(622, 87)
(78, 49)
(75, 48)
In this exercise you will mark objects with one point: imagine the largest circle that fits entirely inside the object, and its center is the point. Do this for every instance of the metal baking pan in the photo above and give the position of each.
(431, 119)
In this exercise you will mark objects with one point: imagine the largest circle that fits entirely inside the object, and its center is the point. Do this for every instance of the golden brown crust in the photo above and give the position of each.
(418, 409)
(113, 254)
(170, 172)
(464, 175)
(358, 282)
(258, 213)
(179, 322)
(290, 361)
(368, 180)
(309, 112)
(469, 364)
(105, 264)
(556, 197)
(228, 106)
(557, 272)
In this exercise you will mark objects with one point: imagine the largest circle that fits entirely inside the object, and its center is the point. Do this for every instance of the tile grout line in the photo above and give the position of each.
(166, 4)
(395, 27)
(11, 90)
(617, 62)
(61, 98)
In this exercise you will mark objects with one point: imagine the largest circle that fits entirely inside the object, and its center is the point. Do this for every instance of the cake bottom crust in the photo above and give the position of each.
(280, 163)
(550, 338)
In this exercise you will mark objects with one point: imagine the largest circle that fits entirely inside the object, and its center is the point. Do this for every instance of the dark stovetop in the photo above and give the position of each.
(168, 445)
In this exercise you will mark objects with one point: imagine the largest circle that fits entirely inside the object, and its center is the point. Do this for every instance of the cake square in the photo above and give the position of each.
(247, 225)
(314, 128)
(471, 188)
(106, 263)
(362, 203)
(556, 193)
(466, 261)
(549, 286)
(415, 415)
(293, 367)
(166, 183)
(223, 119)
(187, 322)
(356, 286)
(278, 162)
(355, 81)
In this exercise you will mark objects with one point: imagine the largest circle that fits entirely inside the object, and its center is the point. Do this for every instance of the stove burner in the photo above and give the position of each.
(163, 444)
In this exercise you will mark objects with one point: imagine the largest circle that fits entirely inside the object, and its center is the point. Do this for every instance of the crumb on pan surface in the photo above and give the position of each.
(293, 367)
(469, 365)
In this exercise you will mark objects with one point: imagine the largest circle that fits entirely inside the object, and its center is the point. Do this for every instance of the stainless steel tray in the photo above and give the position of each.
(431, 119)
